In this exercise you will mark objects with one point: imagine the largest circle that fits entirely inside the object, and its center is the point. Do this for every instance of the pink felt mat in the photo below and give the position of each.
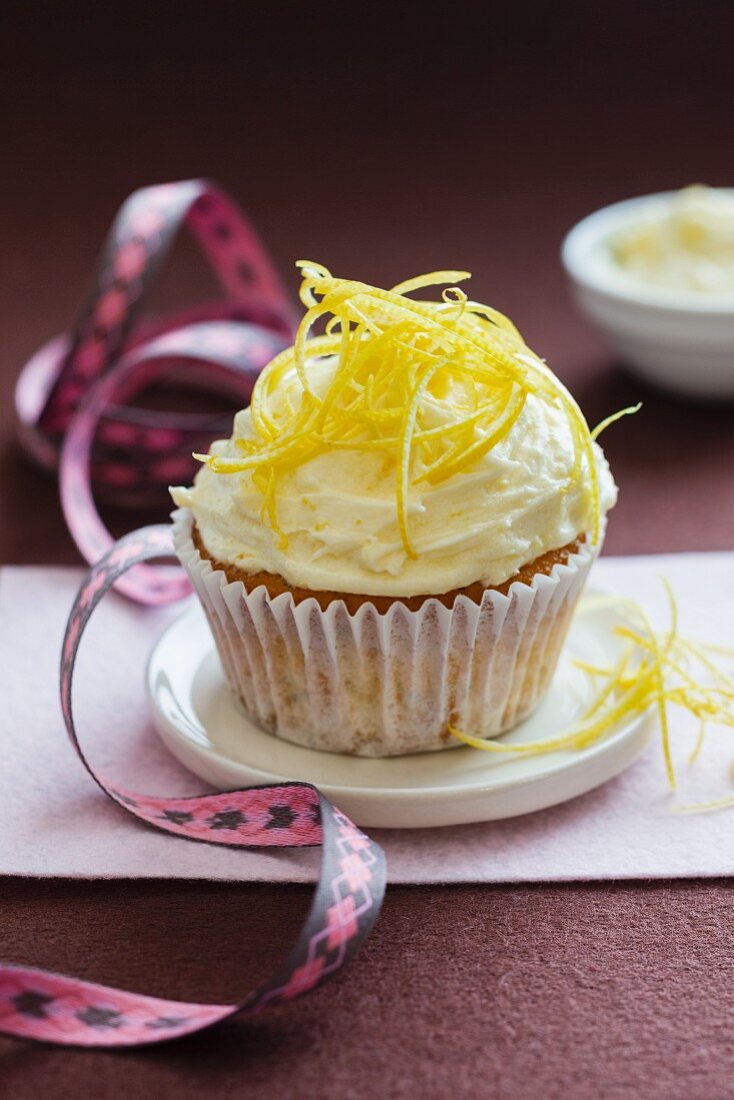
(57, 823)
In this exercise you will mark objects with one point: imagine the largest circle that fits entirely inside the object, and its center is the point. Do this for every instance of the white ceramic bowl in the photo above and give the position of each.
(681, 340)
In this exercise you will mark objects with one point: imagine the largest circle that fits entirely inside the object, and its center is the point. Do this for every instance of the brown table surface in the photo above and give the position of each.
(383, 142)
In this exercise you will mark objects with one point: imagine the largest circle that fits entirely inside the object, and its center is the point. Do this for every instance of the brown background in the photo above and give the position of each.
(383, 140)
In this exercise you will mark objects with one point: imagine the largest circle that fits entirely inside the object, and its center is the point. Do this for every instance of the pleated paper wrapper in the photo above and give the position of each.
(385, 684)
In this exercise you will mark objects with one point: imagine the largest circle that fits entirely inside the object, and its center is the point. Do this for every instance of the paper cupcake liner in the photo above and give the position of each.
(385, 684)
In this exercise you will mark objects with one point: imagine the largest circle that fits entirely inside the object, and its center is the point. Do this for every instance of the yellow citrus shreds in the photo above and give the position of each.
(436, 278)
(430, 386)
(653, 671)
(406, 439)
(630, 410)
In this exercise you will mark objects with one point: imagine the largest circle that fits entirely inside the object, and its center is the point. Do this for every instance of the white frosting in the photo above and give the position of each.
(338, 512)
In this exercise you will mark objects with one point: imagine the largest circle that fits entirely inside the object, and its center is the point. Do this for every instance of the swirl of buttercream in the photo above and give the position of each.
(338, 528)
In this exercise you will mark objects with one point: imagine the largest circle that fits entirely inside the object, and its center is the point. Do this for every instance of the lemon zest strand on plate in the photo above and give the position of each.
(695, 752)
(725, 803)
(652, 671)
(399, 360)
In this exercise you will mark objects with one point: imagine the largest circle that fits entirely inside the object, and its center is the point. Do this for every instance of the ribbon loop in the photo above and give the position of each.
(229, 358)
(255, 315)
(138, 243)
(40, 1005)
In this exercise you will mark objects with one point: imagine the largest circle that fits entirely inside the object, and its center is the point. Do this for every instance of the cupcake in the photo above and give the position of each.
(392, 543)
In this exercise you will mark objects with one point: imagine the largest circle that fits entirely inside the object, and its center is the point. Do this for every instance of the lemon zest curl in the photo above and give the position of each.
(653, 671)
(397, 361)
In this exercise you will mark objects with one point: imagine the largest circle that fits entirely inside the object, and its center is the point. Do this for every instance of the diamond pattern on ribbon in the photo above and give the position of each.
(53, 1008)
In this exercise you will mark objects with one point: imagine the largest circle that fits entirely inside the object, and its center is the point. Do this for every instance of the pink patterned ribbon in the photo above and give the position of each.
(72, 398)
(71, 408)
(37, 1004)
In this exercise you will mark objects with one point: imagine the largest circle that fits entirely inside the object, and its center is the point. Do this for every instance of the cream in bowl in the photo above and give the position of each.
(656, 274)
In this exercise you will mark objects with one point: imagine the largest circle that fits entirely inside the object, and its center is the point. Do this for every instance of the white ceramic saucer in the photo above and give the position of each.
(206, 729)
